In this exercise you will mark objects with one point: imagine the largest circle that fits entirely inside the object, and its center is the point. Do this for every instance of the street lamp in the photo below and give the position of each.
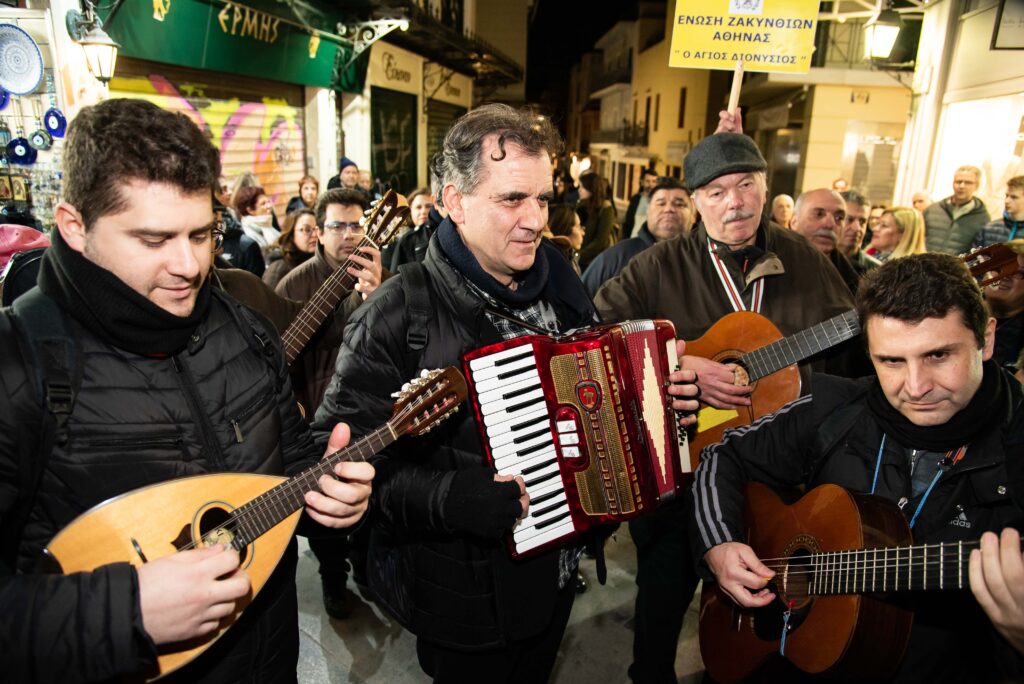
(880, 33)
(100, 49)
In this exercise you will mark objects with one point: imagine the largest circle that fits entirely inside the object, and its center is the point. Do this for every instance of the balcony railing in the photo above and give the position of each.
(622, 73)
(626, 135)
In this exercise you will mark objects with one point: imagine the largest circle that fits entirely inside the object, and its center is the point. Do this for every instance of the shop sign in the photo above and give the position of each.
(765, 35)
(395, 68)
(234, 37)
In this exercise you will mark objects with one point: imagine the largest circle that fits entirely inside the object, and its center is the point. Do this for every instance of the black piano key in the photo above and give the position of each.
(535, 448)
(545, 497)
(513, 373)
(542, 478)
(547, 509)
(528, 423)
(527, 438)
(520, 392)
(525, 404)
(535, 468)
(512, 359)
(549, 523)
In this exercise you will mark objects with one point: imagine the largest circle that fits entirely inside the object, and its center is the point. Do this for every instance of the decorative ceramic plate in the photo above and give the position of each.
(21, 64)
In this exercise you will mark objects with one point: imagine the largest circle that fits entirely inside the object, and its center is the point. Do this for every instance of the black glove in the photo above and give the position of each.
(480, 506)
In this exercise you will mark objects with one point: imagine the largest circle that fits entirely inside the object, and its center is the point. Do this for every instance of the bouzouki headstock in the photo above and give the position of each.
(427, 400)
(992, 263)
(384, 219)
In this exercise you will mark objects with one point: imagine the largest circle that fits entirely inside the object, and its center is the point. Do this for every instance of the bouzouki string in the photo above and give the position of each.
(293, 488)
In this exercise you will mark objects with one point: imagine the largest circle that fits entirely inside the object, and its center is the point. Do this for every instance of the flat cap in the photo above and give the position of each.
(718, 155)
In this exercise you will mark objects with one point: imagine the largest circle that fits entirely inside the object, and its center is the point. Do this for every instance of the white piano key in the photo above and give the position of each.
(526, 417)
(570, 452)
(513, 417)
(530, 527)
(514, 448)
(491, 359)
(490, 375)
(486, 398)
(556, 532)
(530, 399)
(510, 436)
(569, 438)
(566, 426)
(514, 465)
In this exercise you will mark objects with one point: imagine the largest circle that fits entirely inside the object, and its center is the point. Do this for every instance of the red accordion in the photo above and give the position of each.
(586, 420)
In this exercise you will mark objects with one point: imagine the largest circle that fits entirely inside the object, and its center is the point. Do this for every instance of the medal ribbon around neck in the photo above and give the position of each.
(735, 298)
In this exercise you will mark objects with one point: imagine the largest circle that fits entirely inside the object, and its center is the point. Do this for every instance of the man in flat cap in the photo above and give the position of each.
(733, 260)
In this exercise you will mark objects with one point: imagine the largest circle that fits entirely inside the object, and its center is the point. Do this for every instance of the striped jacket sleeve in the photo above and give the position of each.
(776, 450)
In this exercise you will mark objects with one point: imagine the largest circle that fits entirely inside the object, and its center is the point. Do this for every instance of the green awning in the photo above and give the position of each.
(253, 38)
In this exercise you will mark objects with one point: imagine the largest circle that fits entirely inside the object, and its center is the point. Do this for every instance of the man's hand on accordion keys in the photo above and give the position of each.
(483, 503)
(684, 390)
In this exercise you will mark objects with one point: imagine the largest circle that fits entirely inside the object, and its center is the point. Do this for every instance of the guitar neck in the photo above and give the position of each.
(806, 343)
(259, 515)
(301, 330)
(902, 568)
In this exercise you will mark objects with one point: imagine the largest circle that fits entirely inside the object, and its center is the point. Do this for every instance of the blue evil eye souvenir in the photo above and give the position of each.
(55, 123)
(19, 151)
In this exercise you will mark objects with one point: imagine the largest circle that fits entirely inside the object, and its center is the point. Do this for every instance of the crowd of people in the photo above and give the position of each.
(151, 350)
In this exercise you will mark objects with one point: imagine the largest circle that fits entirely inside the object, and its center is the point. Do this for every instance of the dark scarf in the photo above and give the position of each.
(531, 282)
(110, 309)
(986, 409)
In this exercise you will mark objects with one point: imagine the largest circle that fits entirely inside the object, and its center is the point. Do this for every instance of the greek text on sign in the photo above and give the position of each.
(246, 22)
(766, 35)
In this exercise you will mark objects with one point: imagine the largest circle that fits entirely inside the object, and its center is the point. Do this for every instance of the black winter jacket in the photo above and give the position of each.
(217, 406)
(444, 585)
(830, 436)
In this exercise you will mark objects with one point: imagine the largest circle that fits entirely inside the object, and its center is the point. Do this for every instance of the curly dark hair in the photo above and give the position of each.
(561, 219)
(121, 140)
(921, 286)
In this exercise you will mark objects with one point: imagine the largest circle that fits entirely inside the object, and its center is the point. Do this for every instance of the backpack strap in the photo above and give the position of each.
(52, 366)
(417, 303)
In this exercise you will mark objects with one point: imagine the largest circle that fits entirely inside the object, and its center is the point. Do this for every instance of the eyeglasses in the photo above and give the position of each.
(305, 230)
(341, 227)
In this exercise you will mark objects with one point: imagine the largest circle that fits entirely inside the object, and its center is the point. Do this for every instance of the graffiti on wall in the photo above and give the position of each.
(265, 137)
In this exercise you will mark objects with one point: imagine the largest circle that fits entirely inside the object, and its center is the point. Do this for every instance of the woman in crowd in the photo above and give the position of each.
(598, 216)
(296, 244)
(899, 233)
(566, 233)
(309, 190)
(255, 211)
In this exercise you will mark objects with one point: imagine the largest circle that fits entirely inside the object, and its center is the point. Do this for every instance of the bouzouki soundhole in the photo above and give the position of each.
(208, 529)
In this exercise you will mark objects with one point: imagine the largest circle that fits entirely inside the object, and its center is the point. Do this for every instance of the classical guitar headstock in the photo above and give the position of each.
(993, 262)
(384, 219)
(427, 400)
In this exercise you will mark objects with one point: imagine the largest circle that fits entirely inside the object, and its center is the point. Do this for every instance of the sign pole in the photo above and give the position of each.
(734, 94)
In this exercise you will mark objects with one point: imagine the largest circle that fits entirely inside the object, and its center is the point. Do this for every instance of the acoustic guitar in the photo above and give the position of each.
(994, 262)
(767, 361)
(255, 514)
(381, 223)
(832, 551)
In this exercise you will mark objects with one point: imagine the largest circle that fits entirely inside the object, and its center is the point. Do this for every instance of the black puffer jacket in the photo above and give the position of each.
(216, 406)
(445, 586)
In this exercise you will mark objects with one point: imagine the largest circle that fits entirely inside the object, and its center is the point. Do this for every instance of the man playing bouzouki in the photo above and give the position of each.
(733, 260)
(938, 432)
(170, 378)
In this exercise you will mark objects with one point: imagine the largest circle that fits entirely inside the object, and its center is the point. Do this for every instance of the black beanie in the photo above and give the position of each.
(718, 155)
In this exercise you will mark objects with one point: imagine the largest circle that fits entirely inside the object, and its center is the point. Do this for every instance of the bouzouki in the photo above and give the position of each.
(767, 361)
(255, 514)
(833, 552)
(382, 223)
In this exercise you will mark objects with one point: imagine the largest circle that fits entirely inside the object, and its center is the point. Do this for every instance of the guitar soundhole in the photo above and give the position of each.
(790, 586)
(212, 530)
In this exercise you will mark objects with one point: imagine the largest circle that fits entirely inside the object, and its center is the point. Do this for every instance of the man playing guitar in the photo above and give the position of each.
(937, 432)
